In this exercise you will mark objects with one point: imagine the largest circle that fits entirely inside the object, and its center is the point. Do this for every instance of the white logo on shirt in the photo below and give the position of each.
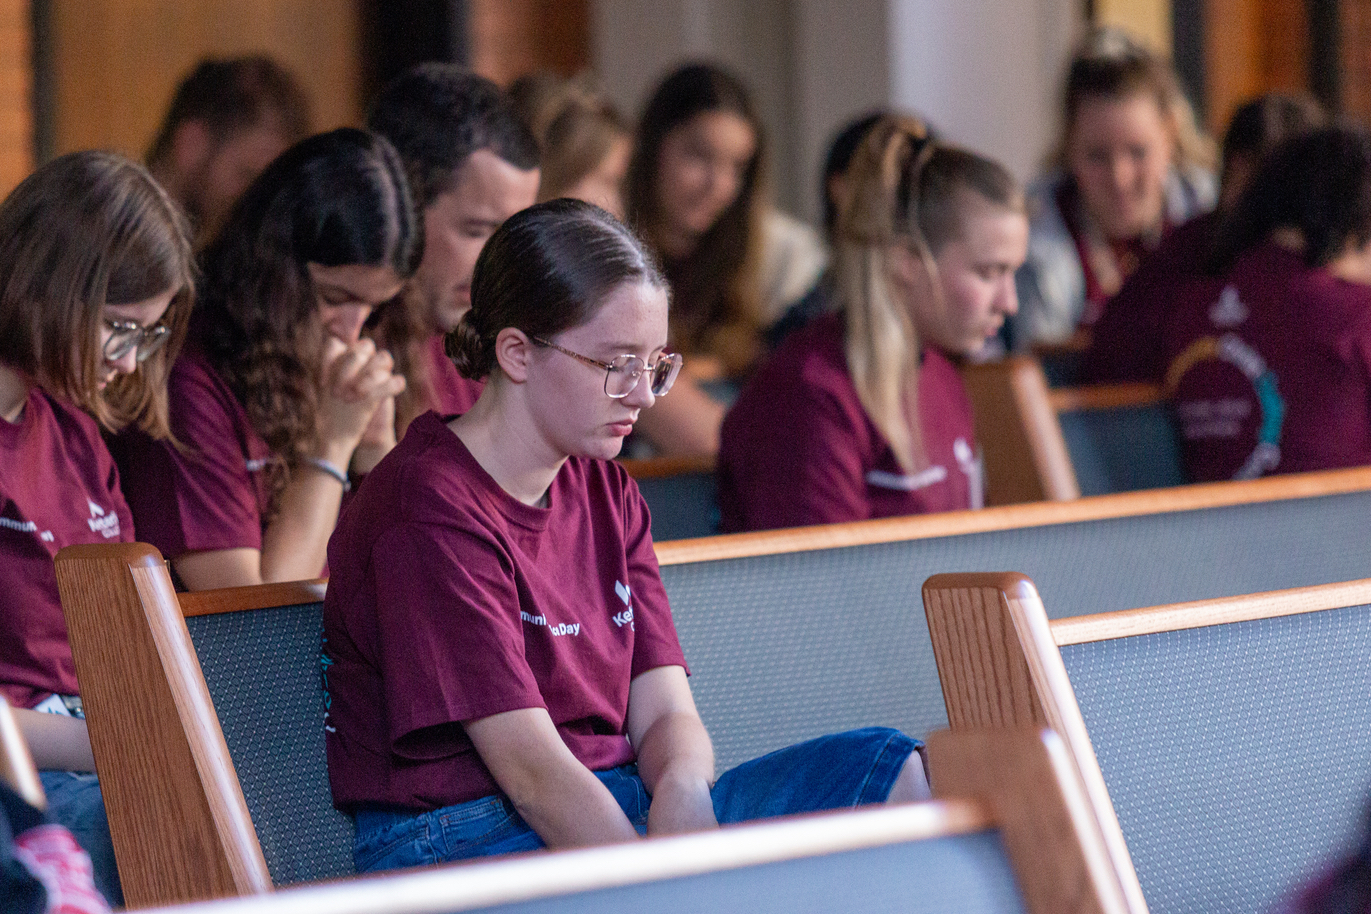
(626, 617)
(973, 468)
(1228, 311)
(107, 525)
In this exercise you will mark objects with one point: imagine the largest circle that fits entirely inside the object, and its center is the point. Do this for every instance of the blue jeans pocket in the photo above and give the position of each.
(482, 828)
(399, 844)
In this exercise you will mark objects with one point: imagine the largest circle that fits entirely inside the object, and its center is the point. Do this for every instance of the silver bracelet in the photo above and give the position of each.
(324, 466)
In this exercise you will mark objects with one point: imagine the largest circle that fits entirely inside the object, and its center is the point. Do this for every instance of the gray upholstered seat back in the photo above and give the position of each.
(683, 506)
(958, 875)
(1123, 449)
(1238, 756)
(262, 669)
(786, 647)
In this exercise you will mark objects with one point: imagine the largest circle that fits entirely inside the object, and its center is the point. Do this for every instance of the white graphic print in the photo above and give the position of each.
(107, 525)
(625, 617)
(973, 467)
(573, 628)
(903, 483)
(1228, 311)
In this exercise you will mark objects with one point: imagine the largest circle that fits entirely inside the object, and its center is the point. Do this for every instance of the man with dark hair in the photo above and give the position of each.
(471, 164)
(227, 121)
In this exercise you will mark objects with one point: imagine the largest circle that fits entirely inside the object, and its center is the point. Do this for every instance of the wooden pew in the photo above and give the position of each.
(1013, 832)
(1120, 437)
(680, 493)
(175, 721)
(1225, 743)
(1057, 444)
(794, 633)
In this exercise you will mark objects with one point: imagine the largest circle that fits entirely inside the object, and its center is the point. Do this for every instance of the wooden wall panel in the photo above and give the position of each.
(1252, 47)
(510, 38)
(1355, 27)
(117, 62)
(16, 94)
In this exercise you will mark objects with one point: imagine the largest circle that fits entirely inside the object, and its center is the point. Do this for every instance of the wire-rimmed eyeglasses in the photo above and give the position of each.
(624, 371)
(128, 336)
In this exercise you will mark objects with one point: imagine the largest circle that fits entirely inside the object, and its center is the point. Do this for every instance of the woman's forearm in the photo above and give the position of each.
(295, 543)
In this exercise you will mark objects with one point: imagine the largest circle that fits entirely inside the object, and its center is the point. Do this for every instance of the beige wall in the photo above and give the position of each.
(116, 62)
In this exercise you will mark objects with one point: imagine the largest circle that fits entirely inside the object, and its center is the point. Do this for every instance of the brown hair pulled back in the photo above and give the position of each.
(545, 270)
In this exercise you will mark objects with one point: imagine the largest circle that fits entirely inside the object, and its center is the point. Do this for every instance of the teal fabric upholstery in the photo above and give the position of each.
(786, 647)
(262, 669)
(959, 875)
(1121, 450)
(1238, 756)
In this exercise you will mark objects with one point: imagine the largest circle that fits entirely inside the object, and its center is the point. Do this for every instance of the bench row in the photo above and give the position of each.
(819, 629)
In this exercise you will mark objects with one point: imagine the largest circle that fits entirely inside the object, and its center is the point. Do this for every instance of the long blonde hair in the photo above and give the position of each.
(905, 190)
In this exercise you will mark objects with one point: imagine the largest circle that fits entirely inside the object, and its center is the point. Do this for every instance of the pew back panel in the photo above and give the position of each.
(787, 645)
(1238, 756)
(1228, 741)
(1121, 437)
(680, 494)
(262, 668)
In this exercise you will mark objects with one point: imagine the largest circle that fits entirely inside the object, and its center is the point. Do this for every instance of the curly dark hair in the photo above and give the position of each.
(1318, 183)
(334, 199)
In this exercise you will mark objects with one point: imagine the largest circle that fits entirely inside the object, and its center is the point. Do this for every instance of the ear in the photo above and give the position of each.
(513, 352)
(905, 267)
(191, 146)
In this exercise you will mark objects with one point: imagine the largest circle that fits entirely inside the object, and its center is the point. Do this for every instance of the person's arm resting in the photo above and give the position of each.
(675, 755)
(56, 742)
(560, 798)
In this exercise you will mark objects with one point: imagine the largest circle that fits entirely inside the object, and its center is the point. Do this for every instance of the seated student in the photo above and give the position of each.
(226, 122)
(277, 400)
(95, 289)
(471, 164)
(862, 413)
(1133, 166)
(1269, 369)
(697, 195)
(585, 141)
(1126, 343)
(528, 689)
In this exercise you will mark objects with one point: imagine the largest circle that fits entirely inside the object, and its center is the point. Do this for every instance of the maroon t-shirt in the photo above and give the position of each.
(58, 486)
(214, 492)
(451, 601)
(1127, 342)
(798, 447)
(1271, 373)
(452, 393)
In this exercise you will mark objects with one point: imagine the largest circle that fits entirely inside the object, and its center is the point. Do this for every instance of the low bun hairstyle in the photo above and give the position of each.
(545, 270)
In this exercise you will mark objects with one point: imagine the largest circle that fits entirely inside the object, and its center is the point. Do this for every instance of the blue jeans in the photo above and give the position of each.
(832, 772)
(74, 801)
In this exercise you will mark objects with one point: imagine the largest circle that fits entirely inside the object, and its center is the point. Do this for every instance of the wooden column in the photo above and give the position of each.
(16, 94)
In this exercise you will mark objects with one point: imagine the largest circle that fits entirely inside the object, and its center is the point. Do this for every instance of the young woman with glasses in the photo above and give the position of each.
(95, 289)
(278, 399)
(528, 689)
(862, 413)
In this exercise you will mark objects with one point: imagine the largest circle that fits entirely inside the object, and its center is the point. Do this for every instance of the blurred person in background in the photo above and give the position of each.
(228, 119)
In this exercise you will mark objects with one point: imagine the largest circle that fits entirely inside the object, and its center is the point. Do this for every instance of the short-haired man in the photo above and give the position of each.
(472, 164)
(228, 119)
